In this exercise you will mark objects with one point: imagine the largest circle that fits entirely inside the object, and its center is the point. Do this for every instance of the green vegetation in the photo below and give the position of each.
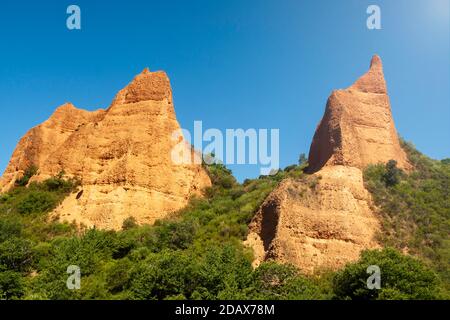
(402, 278)
(29, 172)
(196, 253)
(415, 208)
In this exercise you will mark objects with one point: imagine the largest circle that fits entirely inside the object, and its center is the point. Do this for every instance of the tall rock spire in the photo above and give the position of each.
(325, 219)
(357, 128)
(373, 81)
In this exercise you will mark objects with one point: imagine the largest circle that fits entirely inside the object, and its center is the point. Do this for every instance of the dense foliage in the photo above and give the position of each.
(402, 277)
(196, 253)
(415, 207)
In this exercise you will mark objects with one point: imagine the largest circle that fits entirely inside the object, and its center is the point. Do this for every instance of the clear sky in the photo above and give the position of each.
(232, 63)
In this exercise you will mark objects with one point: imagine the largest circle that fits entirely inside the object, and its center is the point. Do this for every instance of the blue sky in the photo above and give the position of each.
(232, 64)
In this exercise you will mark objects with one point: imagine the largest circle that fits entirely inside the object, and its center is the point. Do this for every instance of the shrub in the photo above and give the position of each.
(37, 202)
(172, 235)
(273, 281)
(290, 168)
(221, 176)
(118, 275)
(198, 253)
(9, 228)
(302, 159)
(29, 172)
(16, 255)
(129, 223)
(11, 285)
(59, 183)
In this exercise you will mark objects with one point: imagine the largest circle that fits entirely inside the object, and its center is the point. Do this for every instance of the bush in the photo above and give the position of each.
(29, 172)
(172, 235)
(11, 285)
(222, 273)
(302, 160)
(16, 255)
(118, 275)
(60, 184)
(37, 202)
(220, 176)
(9, 228)
(274, 281)
(129, 223)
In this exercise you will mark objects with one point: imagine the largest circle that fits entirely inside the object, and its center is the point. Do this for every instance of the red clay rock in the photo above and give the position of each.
(325, 220)
(122, 156)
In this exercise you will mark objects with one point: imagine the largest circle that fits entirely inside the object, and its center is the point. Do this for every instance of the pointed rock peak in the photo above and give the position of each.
(69, 109)
(69, 116)
(373, 81)
(144, 87)
(64, 109)
(376, 62)
(357, 128)
(67, 105)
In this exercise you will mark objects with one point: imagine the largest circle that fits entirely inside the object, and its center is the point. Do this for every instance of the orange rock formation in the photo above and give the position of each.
(325, 220)
(357, 128)
(122, 156)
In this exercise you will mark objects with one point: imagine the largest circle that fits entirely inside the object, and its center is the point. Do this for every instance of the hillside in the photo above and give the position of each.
(198, 253)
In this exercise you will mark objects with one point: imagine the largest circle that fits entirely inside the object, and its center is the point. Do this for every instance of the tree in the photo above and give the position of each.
(16, 254)
(273, 281)
(392, 175)
(302, 159)
(402, 277)
(129, 223)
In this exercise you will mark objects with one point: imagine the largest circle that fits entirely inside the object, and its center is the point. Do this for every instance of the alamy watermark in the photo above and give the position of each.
(374, 280)
(73, 22)
(234, 146)
(374, 20)
(74, 280)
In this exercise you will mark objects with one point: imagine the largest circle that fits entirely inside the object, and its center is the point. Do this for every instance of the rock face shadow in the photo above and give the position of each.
(269, 223)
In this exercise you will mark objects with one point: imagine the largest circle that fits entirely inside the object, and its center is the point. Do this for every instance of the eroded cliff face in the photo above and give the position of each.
(122, 155)
(321, 222)
(325, 220)
(41, 141)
